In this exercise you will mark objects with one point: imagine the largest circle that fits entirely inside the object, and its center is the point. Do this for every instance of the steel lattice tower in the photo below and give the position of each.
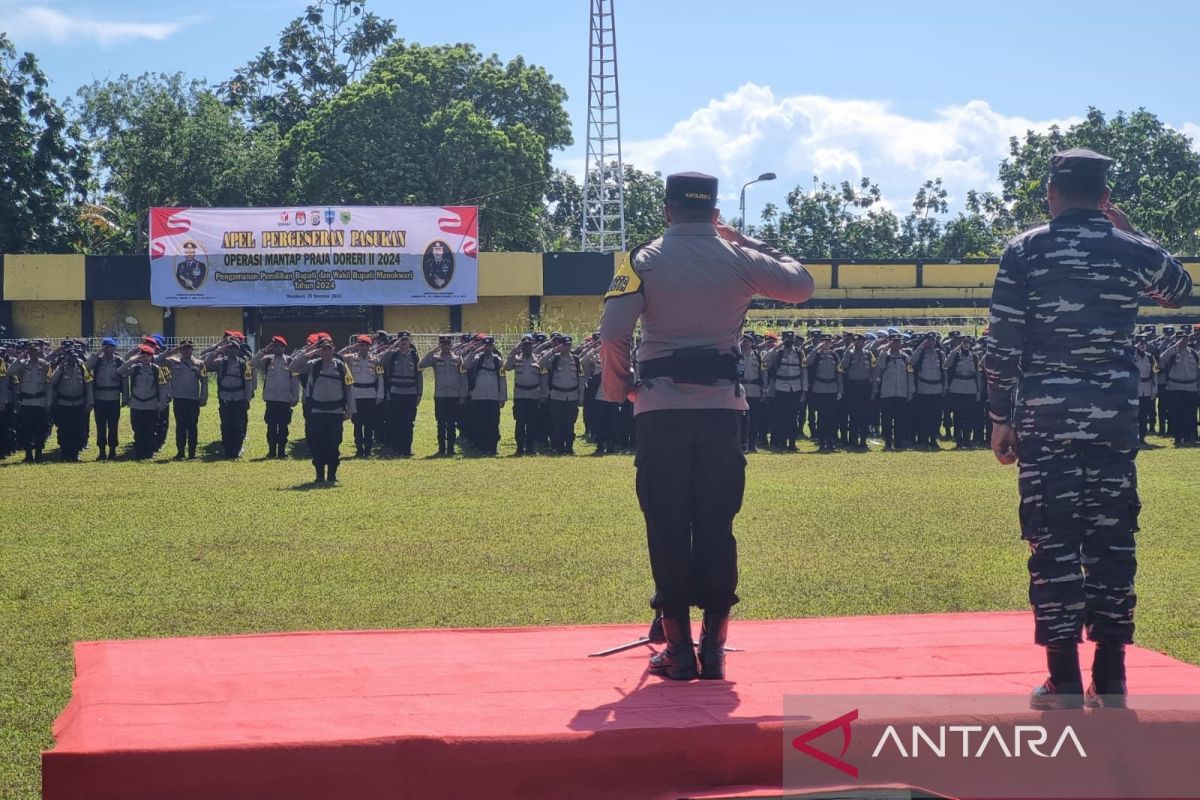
(604, 180)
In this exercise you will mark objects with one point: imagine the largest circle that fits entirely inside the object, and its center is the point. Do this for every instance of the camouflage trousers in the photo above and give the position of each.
(1079, 511)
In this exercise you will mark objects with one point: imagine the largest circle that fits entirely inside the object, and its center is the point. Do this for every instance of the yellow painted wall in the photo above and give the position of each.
(198, 322)
(44, 277)
(510, 274)
(822, 274)
(1194, 271)
(904, 294)
(978, 275)
(497, 315)
(109, 317)
(577, 313)
(417, 319)
(856, 276)
(46, 319)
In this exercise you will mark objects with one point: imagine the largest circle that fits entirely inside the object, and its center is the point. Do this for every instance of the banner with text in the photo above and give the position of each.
(301, 256)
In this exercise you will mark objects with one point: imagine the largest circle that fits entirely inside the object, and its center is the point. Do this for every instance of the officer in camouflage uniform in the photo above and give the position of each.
(691, 289)
(1061, 336)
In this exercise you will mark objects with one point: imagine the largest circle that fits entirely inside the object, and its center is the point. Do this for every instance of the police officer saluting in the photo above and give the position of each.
(329, 392)
(188, 386)
(281, 393)
(108, 391)
(691, 288)
(71, 402)
(1061, 333)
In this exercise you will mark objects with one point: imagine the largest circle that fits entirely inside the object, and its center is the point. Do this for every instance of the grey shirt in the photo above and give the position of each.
(107, 383)
(691, 289)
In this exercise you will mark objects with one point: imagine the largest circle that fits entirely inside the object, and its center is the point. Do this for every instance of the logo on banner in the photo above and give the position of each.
(329, 216)
(345, 217)
(284, 218)
(191, 271)
(842, 723)
(301, 218)
(437, 265)
(314, 217)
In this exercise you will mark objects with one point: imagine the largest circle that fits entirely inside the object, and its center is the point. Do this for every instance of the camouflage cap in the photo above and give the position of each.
(1079, 162)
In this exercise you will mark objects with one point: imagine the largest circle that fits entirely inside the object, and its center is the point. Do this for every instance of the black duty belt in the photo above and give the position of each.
(364, 386)
(327, 405)
(32, 396)
(70, 397)
(929, 380)
(825, 380)
(113, 388)
(531, 387)
(703, 366)
(574, 388)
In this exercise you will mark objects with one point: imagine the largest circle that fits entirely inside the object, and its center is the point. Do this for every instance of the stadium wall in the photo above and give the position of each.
(75, 295)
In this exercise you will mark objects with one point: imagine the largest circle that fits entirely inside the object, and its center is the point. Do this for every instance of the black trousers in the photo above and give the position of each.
(402, 417)
(108, 420)
(145, 425)
(1146, 413)
(604, 418)
(527, 417)
(485, 416)
(858, 405)
(754, 423)
(927, 411)
(32, 427)
(366, 415)
(785, 410)
(1182, 421)
(6, 431)
(563, 415)
(187, 421)
(893, 421)
(234, 415)
(278, 416)
(72, 425)
(691, 476)
(325, 438)
(965, 410)
(825, 407)
(162, 427)
(445, 411)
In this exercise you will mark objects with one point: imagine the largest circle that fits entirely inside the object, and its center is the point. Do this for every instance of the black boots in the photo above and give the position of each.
(678, 660)
(712, 646)
(1064, 688)
(320, 473)
(1107, 689)
(332, 473)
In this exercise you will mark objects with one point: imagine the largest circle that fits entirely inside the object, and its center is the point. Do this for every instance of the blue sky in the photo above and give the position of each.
(899, 91)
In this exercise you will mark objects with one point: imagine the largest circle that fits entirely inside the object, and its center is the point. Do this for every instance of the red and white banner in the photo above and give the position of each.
(314, 255)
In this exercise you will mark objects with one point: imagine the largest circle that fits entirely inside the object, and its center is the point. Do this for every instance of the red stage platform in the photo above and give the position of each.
(501, 713)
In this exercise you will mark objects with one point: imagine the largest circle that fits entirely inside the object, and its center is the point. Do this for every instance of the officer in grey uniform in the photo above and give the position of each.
(404, 385)
(928, 365)
(825, 389)
(368, 393)
(964, 387)
(235, 388)
(449, 391)
(6, 406)
(30, 375)
(188, 387)
(528, 392)
(148, 396)
(71, 402)
(1181, 366)
(280, 392)
(896, 388)
(1147, 364)
(691, 289)
(489, 393)
(329, 391)
(1063, 312)
(858, 380)
(564, 373)
(787, 384)
(109, 392)
(754, 385)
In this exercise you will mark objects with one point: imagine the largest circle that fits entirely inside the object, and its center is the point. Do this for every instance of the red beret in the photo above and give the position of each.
(229, 333)
(241, 337)
(149, 340)
(279, 340)
(364, 339)
(145, 348)
(312, 338)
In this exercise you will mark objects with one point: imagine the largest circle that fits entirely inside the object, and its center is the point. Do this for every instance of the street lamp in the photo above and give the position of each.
(766, 176)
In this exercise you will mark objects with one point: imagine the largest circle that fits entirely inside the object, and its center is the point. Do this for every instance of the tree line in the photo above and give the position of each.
(341, 111)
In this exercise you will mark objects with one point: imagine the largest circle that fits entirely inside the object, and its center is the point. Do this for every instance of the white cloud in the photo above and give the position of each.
(1193, 130)
(42, 23)
(750, 130)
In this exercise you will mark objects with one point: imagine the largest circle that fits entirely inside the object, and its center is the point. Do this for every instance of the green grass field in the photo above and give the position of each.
(120, 550)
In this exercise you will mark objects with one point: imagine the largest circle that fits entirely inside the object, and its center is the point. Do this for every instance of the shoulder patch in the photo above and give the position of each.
(626, 280)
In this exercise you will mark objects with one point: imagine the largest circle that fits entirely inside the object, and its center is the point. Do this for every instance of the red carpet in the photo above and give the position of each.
(501, 713)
